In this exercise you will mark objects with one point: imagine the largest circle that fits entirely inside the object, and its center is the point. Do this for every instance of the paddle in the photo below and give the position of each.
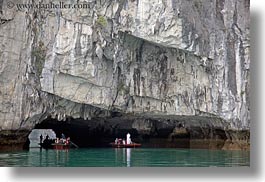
(74, 144)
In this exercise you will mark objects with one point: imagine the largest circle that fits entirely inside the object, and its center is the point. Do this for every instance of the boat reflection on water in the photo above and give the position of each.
(128, 156)
(62, 156)
(52, 157)
(124, 155)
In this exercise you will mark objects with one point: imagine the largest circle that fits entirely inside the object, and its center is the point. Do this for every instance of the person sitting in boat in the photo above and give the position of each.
(47, 137)
(123, 142)
(46, 140)
(128, 141)
(67, 141)
(63, 138)
(116, 141)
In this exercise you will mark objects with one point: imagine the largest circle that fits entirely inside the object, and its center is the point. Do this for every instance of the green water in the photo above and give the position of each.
(138, 157)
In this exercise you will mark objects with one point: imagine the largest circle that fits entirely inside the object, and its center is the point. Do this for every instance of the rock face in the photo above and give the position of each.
(137, 57)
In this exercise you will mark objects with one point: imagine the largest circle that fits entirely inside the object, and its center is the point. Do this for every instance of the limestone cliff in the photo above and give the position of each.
(166, 58)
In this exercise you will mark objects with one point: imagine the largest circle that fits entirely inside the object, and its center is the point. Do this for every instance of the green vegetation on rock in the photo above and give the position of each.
(39, 54)
(123, 88)
(102, 21)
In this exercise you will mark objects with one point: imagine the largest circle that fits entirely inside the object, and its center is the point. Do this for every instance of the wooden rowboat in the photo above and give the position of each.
(50, 144)
(132, 145)
(60, 146)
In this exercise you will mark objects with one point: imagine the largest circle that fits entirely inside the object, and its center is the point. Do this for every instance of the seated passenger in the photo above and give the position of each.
(67, 141)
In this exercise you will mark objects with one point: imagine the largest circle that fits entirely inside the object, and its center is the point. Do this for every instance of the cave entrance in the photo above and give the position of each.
(99, 132)
(150, 131)
(82, 132)
(200, 132)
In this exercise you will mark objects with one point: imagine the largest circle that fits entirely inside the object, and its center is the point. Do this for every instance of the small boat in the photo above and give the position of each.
(60, 146)
(51, 144)
(120, 145)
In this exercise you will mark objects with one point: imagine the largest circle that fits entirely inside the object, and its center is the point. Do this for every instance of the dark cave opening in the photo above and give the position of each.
(152, 131)
(96, 132)
(80, 131)
(99, 132)
(195, 132)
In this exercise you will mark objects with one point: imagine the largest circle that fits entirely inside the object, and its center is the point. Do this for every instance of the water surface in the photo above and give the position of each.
(135, 157)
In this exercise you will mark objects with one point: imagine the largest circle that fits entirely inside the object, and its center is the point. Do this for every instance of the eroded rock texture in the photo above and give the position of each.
(136, 57)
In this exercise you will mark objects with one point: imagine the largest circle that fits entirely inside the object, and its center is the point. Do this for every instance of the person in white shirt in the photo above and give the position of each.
(129, 141)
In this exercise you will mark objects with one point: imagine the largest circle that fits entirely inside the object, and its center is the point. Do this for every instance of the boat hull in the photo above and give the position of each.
(61, 146)
(133, 145)
(56, 146)
(46, 145)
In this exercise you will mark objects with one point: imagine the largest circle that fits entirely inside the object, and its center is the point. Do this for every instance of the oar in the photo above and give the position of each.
(74, 144)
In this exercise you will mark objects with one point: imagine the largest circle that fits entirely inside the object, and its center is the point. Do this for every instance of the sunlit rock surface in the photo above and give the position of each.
(135, 57)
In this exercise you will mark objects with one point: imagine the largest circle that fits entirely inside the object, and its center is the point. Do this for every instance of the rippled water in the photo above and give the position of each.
(138, 157)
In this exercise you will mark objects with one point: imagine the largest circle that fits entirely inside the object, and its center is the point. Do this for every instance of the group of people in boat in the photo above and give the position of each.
(47, 138)
(62, 140)
(123, 141)
(48, 143)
